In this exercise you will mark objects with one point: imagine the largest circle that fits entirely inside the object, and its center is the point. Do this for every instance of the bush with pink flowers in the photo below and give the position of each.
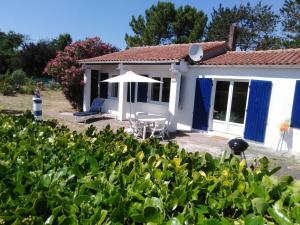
(66, 70)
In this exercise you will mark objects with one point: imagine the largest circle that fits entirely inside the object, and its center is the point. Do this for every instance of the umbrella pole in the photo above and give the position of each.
(130, 101)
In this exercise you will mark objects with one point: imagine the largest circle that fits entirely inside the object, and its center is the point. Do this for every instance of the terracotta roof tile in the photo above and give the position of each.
(268, 57)
(173, 52)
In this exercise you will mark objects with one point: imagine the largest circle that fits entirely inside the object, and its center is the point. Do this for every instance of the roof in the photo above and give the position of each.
(160, 53)
(268, 57)
(215, 53)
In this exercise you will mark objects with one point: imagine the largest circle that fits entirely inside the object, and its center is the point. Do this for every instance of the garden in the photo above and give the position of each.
(52, 175)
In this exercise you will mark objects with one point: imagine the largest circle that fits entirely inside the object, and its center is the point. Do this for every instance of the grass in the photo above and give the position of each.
(54, 102)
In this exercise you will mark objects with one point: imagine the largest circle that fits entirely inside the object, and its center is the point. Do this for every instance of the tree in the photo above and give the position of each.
(221, 19)
(189, 25)
(65, 69)
(33, 57)
(290, 12)
(62, 41)
(164, 24)
(9, 44)
(254, 25)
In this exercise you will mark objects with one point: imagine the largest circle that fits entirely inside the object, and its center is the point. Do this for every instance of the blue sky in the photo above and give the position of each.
(46, 19)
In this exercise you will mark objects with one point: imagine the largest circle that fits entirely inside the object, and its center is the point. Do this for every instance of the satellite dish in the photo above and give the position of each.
(196, 52)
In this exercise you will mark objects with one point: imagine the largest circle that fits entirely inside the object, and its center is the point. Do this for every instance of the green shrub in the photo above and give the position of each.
(50, 175)
(7, 89)
(17, 78)
(27, 89)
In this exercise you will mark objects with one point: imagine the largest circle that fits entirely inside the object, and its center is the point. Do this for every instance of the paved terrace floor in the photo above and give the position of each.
(199, 142)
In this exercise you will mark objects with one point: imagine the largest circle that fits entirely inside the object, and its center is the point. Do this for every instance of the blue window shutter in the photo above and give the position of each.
(202, 103)
(295, 121)
(142, 91)
(258, 110)
(103, 85)
(132, 92)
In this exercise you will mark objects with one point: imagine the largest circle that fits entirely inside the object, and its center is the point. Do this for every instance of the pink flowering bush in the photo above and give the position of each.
(66, 70)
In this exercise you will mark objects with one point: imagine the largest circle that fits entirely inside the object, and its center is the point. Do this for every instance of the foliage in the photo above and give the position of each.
(18, 77)
(164, 24)
(62, 41)
(50, 175)
(290, 12)
(189, 25)
(66, 70)
(33, 57)
(256, 25)
(6, 89)
(9, 43)
(16, 82)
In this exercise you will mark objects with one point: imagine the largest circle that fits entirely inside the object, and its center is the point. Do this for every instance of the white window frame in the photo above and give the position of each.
(229, 103)
(110, 88)
(160, 91)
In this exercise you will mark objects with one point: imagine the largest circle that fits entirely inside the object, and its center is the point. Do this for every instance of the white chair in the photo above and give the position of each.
(158, 130)
(136, 127)
(168, 124)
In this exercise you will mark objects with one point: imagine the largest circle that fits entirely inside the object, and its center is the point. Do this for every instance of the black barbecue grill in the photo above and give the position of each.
(238, 146)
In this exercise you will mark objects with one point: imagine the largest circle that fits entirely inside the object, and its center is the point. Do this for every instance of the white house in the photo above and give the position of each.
(246, 94)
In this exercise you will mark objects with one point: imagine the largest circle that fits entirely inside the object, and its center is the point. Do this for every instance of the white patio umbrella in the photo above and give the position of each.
(130, 77)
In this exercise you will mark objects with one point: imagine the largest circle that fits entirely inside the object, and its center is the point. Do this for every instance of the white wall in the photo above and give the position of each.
(280, 104)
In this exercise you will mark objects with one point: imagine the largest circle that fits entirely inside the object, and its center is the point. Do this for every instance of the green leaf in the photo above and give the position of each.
(102, 217)
(153, 210)
(173, 221)
(20, 188)
(136, 212)
(296, 213)
(45, 180)
(81, 198)
(259, 205)
(251, 219)
(278, 215)
(153, 202)
(93, 164)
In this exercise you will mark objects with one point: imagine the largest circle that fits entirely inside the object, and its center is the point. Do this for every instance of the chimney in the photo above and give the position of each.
(231, 44)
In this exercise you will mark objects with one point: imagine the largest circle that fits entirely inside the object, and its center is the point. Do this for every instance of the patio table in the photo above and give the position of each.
(149, 119)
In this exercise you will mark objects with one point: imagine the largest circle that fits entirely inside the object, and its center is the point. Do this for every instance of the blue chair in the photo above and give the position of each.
(94, 111)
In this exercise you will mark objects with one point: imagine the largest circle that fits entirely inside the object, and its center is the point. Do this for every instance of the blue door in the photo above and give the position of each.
(296, 107)
(202, 103)
(257, 112)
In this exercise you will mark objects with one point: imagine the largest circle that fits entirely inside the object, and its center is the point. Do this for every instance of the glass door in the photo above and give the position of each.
(230, 106)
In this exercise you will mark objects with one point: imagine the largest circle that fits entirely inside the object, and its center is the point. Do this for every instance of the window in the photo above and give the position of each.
(142, 91)
(221, 99)
(160, 92)
(155, 90)
(114, 89)
(239, 100)
(166, 89)
(103, 85)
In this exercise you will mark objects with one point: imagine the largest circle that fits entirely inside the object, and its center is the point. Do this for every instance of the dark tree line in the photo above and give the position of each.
(16, 52)
(257, 25)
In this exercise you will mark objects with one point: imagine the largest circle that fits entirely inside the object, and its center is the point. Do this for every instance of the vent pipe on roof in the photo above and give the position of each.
(232, 37)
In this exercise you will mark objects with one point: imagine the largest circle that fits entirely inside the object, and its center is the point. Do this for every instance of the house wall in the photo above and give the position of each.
(281, 101)
(111, 104)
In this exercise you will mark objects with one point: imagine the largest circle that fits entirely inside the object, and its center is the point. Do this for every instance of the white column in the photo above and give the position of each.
(87, 89)
(174, 96)
(122, 96)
